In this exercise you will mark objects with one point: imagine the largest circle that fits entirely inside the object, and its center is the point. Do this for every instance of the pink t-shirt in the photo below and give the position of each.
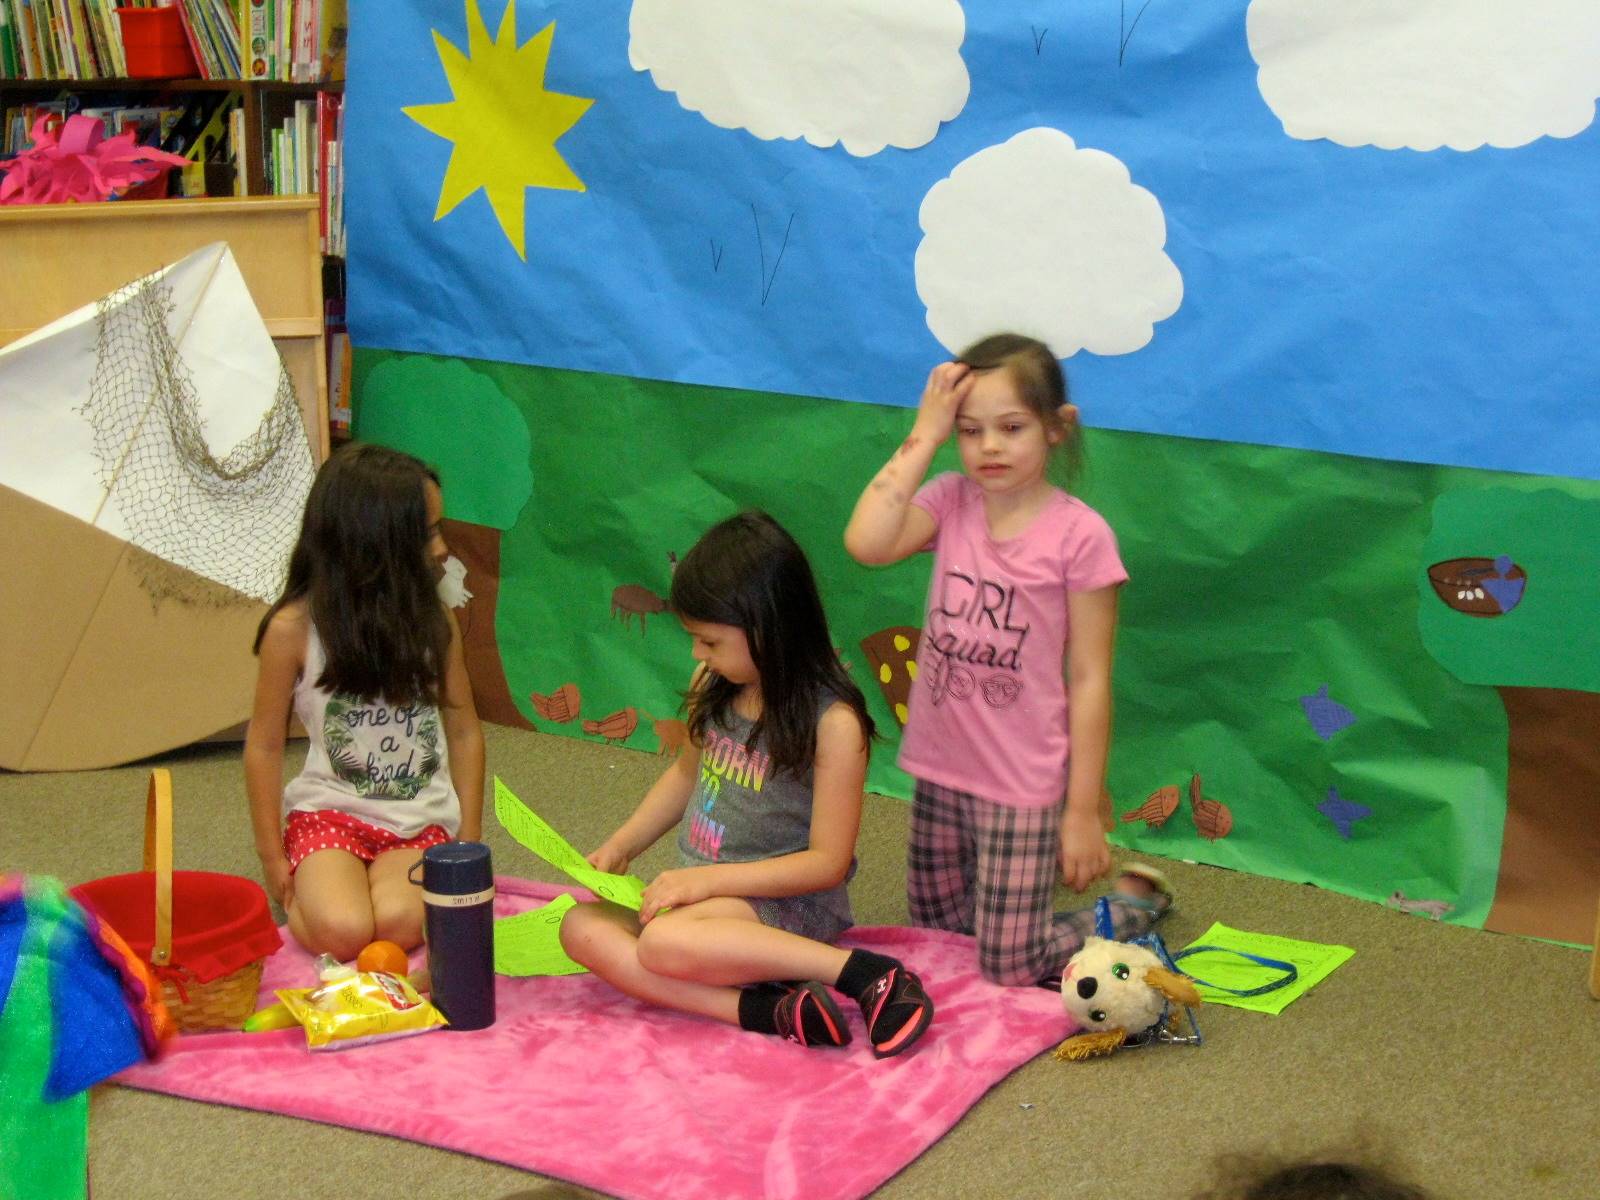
(988, 712)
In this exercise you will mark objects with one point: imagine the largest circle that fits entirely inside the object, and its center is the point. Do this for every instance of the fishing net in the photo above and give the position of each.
(229, 522)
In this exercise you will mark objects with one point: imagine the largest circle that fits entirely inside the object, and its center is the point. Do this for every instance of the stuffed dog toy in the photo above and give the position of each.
(1119, 993)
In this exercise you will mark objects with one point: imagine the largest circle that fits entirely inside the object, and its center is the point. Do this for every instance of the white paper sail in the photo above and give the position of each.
(162, 415)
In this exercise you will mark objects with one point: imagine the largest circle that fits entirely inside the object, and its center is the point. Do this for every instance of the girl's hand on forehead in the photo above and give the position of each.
(946, 389)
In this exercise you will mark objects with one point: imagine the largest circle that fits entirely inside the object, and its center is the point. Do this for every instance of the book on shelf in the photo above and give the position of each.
(19, 122)
(337, 343)
(302, 151)
(256, 30)
(239, 145)
(63, 39)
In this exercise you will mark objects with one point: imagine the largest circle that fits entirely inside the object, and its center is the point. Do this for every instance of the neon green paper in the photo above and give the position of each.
(1314, 960)
(530, 942)
(522, 823)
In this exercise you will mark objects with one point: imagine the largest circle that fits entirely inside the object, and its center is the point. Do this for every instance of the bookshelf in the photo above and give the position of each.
(262, 102)
(251, 91)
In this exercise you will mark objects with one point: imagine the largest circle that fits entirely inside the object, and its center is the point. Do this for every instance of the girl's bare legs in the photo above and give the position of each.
(330, 910)
(340, 903)
(694, 958)
(397, 908)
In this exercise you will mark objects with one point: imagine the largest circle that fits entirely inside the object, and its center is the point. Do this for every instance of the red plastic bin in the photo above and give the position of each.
(155, 45)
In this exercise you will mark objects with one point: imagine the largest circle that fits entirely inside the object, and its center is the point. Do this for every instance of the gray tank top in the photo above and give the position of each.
(744, 811)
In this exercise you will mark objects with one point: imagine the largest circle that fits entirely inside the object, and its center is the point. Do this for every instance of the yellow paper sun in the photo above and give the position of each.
(502, 121)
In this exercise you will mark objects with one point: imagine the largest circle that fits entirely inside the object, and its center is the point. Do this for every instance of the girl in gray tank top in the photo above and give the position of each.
(767, 803)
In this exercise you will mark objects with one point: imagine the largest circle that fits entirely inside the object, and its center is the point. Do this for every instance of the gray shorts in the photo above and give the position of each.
(799, 914)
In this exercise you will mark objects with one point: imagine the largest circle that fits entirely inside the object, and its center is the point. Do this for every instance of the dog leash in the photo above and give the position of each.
(1152, 941)
(1159, 1030)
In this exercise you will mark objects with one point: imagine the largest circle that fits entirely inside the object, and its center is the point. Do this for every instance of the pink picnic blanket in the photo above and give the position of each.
(577, 1081)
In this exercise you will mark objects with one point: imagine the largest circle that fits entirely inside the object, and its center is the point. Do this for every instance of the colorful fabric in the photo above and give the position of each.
(387, 764)
(840, 1124)
(307, 832)
(989, 704)
(75, 1008)
(140, 991)
(987, 869)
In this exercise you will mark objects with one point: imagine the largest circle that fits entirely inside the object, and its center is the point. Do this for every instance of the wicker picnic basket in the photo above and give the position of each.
(204, 934)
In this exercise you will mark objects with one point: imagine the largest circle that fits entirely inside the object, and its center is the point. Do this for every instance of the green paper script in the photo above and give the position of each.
(1314, 960)
(530, 942)
(522, 823)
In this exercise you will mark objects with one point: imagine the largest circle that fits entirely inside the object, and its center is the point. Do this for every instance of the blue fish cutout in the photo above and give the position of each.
(1343, 813)
(1327, 716)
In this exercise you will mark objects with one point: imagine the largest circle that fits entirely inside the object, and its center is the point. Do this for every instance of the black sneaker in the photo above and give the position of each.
(808, 1014)
(897, 1010)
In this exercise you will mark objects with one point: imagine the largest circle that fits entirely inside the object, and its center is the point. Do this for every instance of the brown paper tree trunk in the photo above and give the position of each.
(478, 546)
(1550, 856)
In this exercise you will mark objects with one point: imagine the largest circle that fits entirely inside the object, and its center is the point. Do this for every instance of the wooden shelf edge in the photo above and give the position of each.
(173, 208)
(129, 83)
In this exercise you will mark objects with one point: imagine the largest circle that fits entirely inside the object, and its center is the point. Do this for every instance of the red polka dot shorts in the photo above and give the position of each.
(307, 832)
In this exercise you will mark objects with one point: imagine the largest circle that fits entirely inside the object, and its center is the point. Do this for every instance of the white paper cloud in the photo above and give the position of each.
(1428, 73)
(1036, 236)
(867, 73)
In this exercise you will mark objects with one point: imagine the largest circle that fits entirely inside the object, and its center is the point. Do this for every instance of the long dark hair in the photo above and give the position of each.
(749, 573)
(361, 563)
(1041, 385)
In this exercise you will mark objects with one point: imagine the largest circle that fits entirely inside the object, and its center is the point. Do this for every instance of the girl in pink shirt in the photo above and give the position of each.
(1025, 581)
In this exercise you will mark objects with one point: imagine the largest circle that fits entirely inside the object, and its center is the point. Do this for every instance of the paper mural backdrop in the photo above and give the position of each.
(1320, 280)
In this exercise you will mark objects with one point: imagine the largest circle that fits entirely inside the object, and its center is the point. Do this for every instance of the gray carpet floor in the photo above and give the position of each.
(1469, 1061)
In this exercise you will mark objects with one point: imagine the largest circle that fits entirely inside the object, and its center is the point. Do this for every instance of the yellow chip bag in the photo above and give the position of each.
(361, 1007)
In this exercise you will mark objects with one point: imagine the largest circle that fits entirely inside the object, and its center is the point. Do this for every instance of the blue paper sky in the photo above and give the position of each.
(1432, 307)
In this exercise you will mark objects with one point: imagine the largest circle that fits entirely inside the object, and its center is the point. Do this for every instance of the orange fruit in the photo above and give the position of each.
(382, 956)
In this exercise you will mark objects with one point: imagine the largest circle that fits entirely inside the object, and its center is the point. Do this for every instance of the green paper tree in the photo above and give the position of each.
(457, 418)
(1511, 600)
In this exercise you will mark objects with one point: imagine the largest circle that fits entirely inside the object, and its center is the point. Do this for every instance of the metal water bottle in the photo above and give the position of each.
(458, 898)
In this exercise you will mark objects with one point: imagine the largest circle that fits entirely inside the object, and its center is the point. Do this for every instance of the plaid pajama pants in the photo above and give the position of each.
(982, 868)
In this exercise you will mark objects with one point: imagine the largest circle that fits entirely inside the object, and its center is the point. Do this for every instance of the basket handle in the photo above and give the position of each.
(158, 858)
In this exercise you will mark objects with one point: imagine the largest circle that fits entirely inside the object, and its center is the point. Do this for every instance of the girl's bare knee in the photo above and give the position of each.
(578, 930)
(341, 934)
(663, 950)
(399, 922)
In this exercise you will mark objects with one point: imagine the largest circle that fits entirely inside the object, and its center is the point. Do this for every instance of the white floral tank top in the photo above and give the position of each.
(386, 764)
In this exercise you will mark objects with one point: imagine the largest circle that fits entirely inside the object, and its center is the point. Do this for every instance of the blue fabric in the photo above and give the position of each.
(13, 919)
(95, 1034)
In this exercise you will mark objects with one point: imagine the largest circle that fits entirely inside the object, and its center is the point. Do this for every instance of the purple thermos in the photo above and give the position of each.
(458, 897)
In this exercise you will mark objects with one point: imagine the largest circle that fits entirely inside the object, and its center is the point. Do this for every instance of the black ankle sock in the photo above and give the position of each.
(758, 1007)
(758, 1013)
(860, 969)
